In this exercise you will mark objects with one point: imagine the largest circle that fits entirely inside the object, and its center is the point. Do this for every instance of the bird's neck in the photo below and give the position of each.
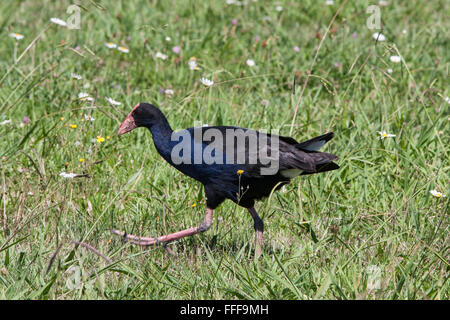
(162, 133)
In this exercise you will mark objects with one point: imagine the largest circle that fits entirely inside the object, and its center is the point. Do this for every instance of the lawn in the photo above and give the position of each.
(377, 228)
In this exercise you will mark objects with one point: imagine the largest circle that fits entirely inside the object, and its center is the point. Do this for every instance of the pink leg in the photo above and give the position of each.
(148, 241)
(259, 228)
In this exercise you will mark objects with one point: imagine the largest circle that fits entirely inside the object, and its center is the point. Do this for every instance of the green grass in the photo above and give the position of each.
(324, 233)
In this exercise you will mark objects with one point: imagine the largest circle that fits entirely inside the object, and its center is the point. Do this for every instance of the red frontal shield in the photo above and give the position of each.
(128, 124)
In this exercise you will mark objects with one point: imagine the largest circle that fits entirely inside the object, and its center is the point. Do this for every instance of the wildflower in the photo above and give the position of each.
(383, 135)
(279, 8)
(329, 2)
(234, 22)
(265, 102)
(390, 70)
(176, 49)
(5, 122)
(207, 82)
(16, 36)
(193, 64)
(68, 175)
(26, 120)
(437, 194)
(111, 45)
(100, 139)
(404, 31)
(354, 35)
(395, 59)
(88, 118)
(73, 126)
(169, 92)
(296, 49)
(113, 102)
(58, 21)
(239, 172)
(379, 36)
(77, 143)
(108, 137)
(161, 56)
(62, 118)
(76, 76)
(250, 62)
(168, 39)
(123, 49)
(81, 160)
(193, 205)
(447, 99)
(383, 3)
(83, 96)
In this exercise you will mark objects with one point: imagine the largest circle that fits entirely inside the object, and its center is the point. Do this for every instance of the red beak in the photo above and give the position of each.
(128, 124)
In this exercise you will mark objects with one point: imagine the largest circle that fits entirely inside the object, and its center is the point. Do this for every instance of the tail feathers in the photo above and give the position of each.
(323, 162)
(316, 143)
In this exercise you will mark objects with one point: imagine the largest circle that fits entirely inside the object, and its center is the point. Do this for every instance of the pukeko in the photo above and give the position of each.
(245, 171)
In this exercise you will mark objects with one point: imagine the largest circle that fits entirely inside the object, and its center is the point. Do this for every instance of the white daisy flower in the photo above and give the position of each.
(384, 134)
(207, 82)
(329, 2)
(85, 96)
(395, 59)
(404, 31)
(16, 36)
(193, 64)
(169, 92)
(5, 122)
(113, 102)
(383, 3)
(68, 175)
(390, 70)
(111, 45)
(58, 21)
(447, 99)
(76, 76)
(161, 56)
(230, 1)
(250, 62)
(168, 39)
(379, 36)
(437, 194)
(88, 118)
(123, 49)
(279, 8)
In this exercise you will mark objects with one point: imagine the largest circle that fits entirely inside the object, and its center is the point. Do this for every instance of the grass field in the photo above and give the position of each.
(370, 230)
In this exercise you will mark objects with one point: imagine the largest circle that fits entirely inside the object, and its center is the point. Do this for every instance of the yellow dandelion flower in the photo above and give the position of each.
(240, 172)
(100, 139)
(193, 205)
(81, 159)
(62, 118)
(108, 137)
(73, 126)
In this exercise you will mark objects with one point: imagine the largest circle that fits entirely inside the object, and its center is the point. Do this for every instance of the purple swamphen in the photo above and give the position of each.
(245, 171)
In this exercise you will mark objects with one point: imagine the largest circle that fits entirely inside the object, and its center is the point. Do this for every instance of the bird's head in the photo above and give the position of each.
(142, 115)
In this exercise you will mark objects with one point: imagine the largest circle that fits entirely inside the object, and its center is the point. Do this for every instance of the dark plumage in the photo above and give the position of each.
(223, 176)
